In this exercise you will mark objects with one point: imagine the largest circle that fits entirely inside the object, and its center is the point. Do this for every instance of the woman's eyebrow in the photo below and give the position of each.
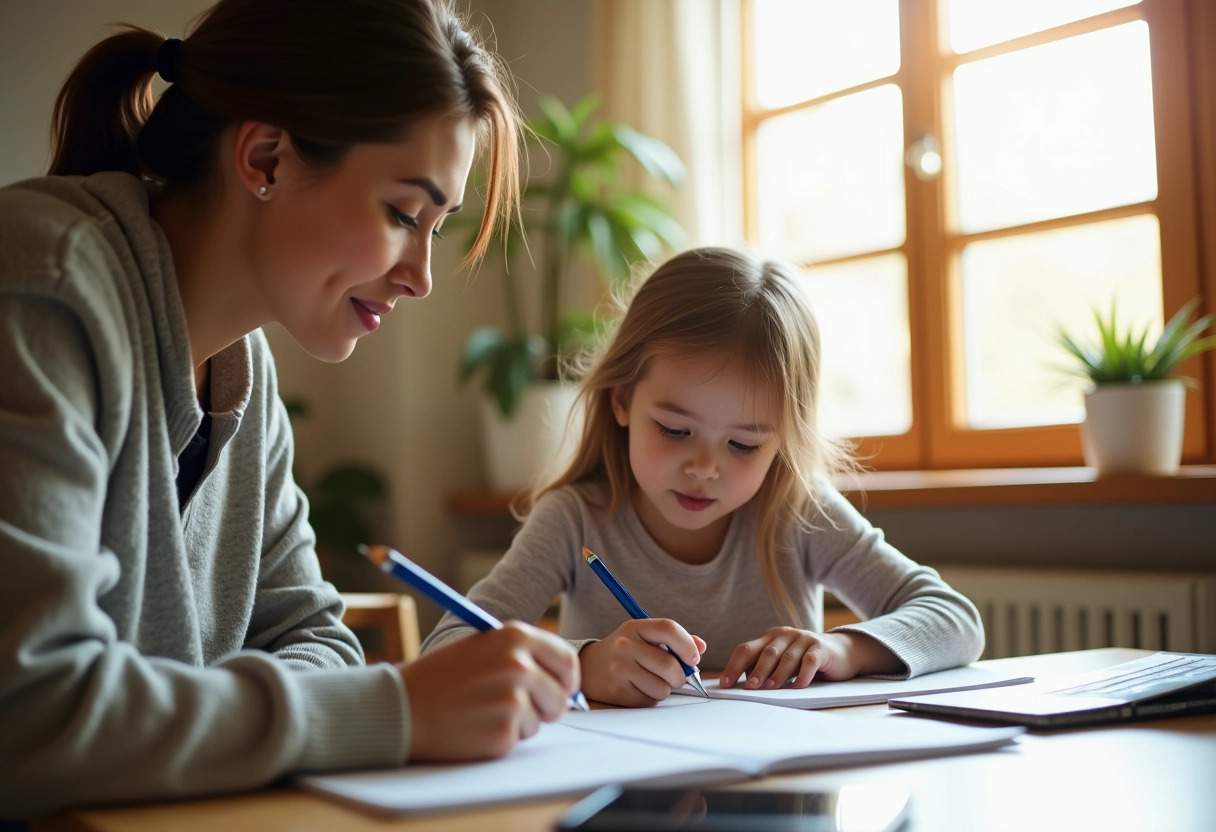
(432, 190)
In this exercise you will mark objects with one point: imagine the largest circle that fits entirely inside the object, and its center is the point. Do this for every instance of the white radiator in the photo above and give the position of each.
(1028, 611)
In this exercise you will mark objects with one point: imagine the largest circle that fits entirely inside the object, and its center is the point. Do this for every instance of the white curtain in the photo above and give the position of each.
(670, 69)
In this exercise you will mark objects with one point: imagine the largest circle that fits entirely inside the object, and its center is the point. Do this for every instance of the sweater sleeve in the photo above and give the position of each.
(296, 615)
(84, 716)
(905, 606)
(536, 568)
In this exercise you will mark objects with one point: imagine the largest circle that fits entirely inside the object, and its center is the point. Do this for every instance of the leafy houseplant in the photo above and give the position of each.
(581, 212)
(1134, 413)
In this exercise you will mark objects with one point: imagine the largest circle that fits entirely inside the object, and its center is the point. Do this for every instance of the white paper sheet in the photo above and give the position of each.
(865, 690)
(703, 742)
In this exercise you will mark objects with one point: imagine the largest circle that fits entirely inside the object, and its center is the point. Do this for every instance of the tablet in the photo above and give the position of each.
(851, 808)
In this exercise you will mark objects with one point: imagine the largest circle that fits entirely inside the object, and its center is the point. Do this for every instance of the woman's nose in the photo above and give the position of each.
(413, 271)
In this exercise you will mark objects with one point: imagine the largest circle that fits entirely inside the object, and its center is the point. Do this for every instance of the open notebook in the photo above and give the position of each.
(683, 742)
(864, 690)
(1163, 684)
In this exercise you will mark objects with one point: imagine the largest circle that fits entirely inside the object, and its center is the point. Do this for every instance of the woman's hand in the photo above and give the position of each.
(630, 666)
(785, 653)
(475, 698)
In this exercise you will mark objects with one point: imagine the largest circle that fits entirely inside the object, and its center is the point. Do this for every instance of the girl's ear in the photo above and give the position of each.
(258, 152)
(620, 406)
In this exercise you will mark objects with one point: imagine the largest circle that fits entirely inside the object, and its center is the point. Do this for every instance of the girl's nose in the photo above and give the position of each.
(702, 465)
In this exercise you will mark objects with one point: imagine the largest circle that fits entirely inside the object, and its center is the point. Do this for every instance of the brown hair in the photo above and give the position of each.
(753, 314)
(331, 74)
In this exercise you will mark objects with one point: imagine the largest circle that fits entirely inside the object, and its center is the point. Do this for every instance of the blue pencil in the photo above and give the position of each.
(635, 611)
(404, 569)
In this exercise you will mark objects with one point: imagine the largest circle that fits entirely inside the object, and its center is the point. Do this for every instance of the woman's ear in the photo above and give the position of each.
(258, 151)
(620, 406)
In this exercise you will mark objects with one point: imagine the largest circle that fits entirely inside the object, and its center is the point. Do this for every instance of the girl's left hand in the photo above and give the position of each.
(783, 653)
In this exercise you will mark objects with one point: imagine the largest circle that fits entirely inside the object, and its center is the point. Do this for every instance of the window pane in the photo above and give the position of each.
(1017, 293)
(976, 23)
(865, 381)
(830, 179)
(808, 48)
(1056, 130)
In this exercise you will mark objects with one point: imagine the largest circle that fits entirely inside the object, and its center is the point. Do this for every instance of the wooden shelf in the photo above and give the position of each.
(993, 487)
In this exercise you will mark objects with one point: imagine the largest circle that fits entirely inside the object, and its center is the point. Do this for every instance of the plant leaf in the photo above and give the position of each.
(338, 526)
(607, 254)
(351, 483)
(565, 131)
(511, 367)
(1128, 358)
(582, 110)
(659, 159)
(482, 345)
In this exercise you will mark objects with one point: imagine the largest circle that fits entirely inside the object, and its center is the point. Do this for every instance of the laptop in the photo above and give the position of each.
(1163, 684)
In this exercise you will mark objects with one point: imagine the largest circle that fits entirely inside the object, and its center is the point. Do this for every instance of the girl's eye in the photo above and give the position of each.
(742, 448)
(435, 233)
(674, 433)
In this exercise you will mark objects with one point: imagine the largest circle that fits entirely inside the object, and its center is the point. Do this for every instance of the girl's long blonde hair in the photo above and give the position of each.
(754, 314)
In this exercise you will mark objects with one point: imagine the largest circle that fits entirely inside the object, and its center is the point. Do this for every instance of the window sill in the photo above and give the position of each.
(993, 487)
(998, 487)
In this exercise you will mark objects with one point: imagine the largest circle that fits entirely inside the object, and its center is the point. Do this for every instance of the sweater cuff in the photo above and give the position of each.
(355, 717)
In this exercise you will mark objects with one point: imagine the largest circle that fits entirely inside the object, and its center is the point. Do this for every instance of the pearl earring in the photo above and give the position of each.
(261, 190)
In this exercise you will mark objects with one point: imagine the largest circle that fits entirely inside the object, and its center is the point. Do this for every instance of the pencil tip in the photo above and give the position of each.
(587, 553)
(376, 554)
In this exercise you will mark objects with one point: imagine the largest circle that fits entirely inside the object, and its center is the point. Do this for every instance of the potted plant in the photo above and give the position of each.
(1134, 409)
(579, 217)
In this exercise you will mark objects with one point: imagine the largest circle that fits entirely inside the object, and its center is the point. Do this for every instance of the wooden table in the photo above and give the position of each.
(1158, 775)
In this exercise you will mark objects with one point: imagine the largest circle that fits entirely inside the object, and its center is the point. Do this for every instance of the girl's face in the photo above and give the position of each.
(335, 251)
(702, 437)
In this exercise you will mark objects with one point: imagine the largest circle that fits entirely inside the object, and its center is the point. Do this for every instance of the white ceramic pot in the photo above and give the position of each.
(535, 442)
(1134, 428)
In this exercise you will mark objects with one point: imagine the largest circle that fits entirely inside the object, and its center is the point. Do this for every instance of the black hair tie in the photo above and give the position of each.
(166, 59)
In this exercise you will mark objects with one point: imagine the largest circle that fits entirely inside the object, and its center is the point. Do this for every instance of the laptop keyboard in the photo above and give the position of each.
(1154, 674)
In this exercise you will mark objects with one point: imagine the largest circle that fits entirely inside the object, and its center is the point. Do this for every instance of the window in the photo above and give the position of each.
(959, 179)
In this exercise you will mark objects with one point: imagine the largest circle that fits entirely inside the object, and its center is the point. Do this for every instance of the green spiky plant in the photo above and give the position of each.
(581, 211)
(1131, 358)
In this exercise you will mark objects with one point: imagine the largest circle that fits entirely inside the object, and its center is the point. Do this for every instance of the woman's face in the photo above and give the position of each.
(335, 251)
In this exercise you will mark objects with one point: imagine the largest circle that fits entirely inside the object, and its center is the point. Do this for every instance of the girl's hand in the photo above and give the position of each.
(475, 698)
(630, 666)
(784, 653)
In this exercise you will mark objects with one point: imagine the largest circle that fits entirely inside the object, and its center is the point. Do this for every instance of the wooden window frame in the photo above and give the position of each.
(1184, 95)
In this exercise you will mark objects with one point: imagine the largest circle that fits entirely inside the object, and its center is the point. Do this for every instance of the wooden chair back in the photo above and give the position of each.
(386, 624)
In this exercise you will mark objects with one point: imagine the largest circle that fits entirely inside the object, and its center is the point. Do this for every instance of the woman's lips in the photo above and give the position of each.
(367, 316)
(691, 503)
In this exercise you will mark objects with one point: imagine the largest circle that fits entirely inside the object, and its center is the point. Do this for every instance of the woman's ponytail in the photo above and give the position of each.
(103, 105)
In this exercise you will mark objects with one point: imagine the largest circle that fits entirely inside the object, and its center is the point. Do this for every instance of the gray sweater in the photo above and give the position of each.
(905, 606)
(149, 650)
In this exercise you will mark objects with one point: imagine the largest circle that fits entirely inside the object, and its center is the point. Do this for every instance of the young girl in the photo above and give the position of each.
(164, 629)
(701, 482)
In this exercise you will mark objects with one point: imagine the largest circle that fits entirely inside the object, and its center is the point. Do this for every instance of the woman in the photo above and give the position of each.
(164, 629)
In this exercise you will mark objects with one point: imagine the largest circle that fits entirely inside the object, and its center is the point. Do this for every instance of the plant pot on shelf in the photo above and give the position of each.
(1134, 428)
(534, 441)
